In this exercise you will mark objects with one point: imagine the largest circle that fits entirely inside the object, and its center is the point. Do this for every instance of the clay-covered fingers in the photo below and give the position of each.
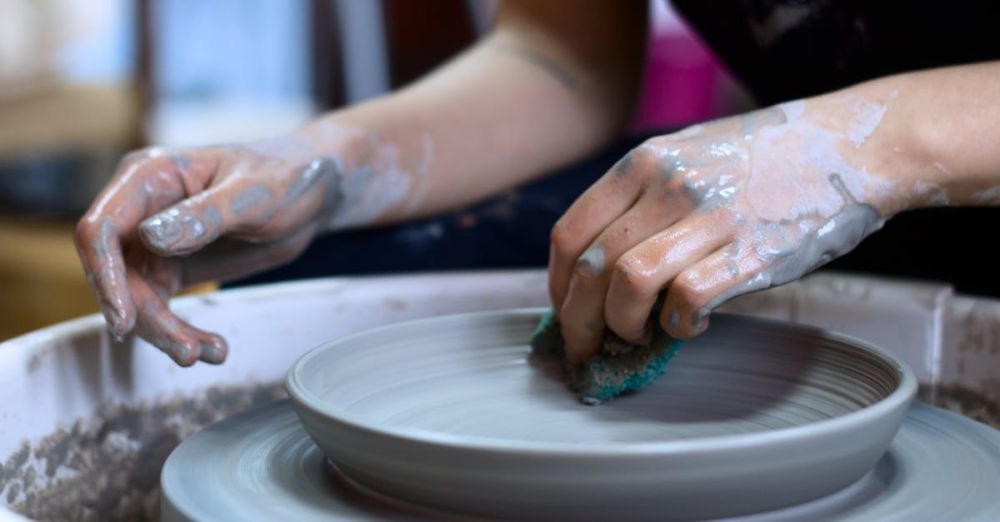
(256, 201)
(159, 326)
(640, 274)
(583, 309)
(145, 182)
(597, 208)
(703, 286)
(152, 279)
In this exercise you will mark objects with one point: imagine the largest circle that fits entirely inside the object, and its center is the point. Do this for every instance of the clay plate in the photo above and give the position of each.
(452, 413)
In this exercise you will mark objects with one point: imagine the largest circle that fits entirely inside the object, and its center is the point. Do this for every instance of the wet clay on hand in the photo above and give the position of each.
(174, 218)
(712, 212)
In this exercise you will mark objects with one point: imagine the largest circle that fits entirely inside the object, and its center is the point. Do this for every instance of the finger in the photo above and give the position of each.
(706, 285)
(259, 206)
(638, 276)
(184, 343)
(598, 207)
(99, 250)
(582, 313)
(143, 184)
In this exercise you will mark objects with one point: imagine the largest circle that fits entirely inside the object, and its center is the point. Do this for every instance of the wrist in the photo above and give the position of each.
(913, 155)
(379, 180)
(952, 158)
(322, 138)
(337, 157)
(349, 153)
(928, 160)
(890, 148)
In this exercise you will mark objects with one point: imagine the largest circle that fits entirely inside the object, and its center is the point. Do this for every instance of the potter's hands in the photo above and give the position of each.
(172, 218)
(709, 213)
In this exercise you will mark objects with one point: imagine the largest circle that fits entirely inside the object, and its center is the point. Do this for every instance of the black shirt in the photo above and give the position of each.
(789, 49)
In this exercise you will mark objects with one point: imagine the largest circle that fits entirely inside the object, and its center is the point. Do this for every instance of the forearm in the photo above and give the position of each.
(934, 143)
(486, 122)
(518, 104)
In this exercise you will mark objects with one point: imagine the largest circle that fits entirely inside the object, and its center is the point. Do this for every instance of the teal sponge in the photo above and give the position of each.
(619, 367)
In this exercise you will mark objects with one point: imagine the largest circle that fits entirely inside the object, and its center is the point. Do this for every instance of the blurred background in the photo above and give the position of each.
(83, 81)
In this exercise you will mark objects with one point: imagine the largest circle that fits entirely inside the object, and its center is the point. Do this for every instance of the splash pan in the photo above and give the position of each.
(452, 413)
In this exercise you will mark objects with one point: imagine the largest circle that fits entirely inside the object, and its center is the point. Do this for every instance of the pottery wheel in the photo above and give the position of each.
(261, 465)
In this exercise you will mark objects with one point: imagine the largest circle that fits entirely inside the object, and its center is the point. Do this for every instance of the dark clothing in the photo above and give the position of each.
(788, 49)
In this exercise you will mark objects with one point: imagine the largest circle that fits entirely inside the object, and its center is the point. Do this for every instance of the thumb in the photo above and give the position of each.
(261, 205)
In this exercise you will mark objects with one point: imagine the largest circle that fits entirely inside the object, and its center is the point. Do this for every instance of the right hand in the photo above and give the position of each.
(174, 218)
(715, 211)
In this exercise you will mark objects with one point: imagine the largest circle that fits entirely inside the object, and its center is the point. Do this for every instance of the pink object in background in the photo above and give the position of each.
(681, 77)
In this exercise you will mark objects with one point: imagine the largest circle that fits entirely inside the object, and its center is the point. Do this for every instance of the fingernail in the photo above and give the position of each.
(592, 260)
(674, 322)
(193, 227)
(173, 232)
(214, 352)
(115, 322)
(185, 355)
(162, 229)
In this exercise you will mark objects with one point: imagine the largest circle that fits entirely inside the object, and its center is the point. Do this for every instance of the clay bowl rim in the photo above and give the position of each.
(901, 396)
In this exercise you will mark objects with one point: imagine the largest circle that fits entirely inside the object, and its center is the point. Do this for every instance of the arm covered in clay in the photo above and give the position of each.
(552, 81)
(758, 200)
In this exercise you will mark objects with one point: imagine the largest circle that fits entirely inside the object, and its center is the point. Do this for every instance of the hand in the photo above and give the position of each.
(712, 212)
(173, 218)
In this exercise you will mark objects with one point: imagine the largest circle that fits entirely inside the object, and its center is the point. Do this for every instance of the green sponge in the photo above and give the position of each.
(619, 367)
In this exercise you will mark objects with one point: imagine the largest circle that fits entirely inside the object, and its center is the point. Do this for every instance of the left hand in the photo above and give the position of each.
(712, 212)
(172, 218)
